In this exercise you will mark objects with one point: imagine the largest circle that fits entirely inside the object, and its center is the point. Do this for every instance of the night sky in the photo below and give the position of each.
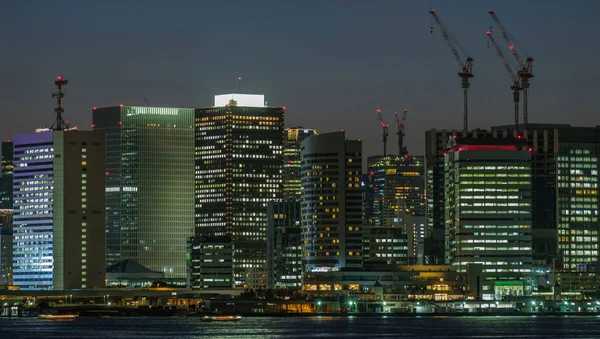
(332, 63)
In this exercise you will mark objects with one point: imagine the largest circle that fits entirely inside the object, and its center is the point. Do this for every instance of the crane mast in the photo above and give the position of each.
(466, 66)
(400, 124)
(515, 87)
(385, 129)
(526, 67)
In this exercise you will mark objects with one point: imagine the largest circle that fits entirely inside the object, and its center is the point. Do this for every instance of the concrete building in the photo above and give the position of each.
(59, 215)
(149, 185)
(211, 263)
(331, 202)
(284, 245)
(239, 169)
(291, 161)
(488, 207)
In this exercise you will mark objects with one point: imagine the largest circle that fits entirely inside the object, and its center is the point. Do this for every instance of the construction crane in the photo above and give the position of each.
(515, 87)
(526, 68)
(385, 134)
(466, 66)
(400, 123)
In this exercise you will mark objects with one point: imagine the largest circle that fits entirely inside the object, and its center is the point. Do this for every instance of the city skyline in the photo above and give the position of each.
(321, 61)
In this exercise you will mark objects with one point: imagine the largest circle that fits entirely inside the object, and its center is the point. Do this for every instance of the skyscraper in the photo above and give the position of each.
(239, 169)
(488, 208)
(435, 146)
(331, 207)
(565, 201)
(6, 176)
(59, 216)
(149, 185)
(291, 160)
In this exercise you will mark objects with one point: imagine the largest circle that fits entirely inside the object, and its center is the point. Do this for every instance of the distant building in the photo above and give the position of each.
(331, 202)
(211, 263)
(239, 169)
(488, 208)
(149, 185)
(389, 244)
(6, 176)
(6, 247)
(284, 245)
(59, 215)
(291, 160)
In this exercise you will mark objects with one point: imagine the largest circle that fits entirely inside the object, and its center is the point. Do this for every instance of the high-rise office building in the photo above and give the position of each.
(488, 208)
(6, 205)
(59, 215)
(291, 160)
(149, 186)
(6, 246)
(6, 176)
(565, 203)
(239, 169)
(331, 202)
(284, 245)
(435, 145)
(405, 203)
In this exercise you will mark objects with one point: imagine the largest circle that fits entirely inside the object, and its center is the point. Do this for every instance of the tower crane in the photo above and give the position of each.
(400, 123)
(526, 67)
(384, 129)
(466, 66)
(516, 87)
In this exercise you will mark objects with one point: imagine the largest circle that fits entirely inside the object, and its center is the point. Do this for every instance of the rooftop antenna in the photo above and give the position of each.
(59, 124)
(147, 103)
(239, 84)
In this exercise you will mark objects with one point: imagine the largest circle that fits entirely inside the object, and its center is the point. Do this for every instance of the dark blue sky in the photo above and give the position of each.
(332, 63)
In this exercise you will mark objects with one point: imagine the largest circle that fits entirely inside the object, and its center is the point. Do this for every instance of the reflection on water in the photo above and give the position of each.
(306, 327)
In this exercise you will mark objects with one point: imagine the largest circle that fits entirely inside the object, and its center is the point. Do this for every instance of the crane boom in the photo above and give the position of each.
(526, 68)
(466, 65)
(385, 131)
(400, 124)
(516, 87)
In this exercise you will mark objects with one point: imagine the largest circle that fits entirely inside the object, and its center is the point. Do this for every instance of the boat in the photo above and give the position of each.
(58, 316)
(222, 318)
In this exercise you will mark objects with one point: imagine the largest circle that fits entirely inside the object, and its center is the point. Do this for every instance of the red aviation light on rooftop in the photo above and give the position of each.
(283, 108)
(59, 77)
(121, 105)
(94, 108)
(92, 125)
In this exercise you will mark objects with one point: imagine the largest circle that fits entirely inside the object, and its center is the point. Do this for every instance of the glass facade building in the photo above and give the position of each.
(239, 169)
(291, 161)
(149, 185)
(331, 207)
(488, 206)
(284, 245)
(58, 232)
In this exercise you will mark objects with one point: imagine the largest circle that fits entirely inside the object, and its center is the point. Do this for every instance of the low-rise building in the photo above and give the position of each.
(210, 264)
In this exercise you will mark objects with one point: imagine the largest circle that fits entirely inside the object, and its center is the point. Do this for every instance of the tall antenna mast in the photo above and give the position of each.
(239, 84)
(59, 124)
